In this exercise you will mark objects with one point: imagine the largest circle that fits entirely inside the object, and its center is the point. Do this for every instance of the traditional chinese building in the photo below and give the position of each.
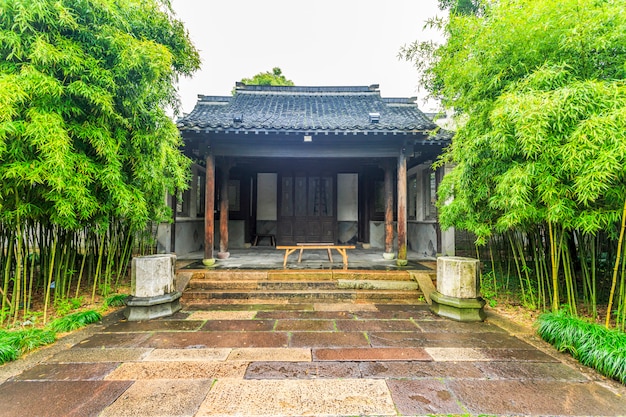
(309, 164)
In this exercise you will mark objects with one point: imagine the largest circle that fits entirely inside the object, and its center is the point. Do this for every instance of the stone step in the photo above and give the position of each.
(304, 285)
(295, 274)
(390, 296)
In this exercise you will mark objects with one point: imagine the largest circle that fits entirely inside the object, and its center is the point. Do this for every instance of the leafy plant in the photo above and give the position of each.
(593, 345)
(74, 321)
(115, 300)
(15, 343)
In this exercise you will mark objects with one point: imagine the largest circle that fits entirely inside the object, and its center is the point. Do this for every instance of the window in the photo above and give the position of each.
(430, 197)
(412, 198)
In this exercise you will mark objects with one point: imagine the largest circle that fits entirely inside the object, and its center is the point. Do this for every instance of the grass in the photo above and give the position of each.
(591, 344)
(15, 343)
(74, 321)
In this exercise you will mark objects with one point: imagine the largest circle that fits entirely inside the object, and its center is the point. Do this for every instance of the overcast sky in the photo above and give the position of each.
(315, 43)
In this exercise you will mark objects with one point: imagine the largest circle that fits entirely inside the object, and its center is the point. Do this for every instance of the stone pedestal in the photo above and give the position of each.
(153, 291)
(458, 289)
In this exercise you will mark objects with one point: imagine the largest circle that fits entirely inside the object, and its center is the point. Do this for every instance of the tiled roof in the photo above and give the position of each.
(283, 108)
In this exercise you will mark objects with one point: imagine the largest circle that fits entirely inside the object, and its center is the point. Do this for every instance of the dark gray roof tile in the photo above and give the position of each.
(281, 108)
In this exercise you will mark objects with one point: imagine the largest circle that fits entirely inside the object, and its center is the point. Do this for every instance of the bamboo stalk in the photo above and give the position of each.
(607, 322)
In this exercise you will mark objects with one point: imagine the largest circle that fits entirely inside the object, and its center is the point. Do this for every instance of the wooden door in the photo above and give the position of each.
(307, 208)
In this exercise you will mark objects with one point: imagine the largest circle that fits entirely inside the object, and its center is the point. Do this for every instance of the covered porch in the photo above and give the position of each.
(292, 165)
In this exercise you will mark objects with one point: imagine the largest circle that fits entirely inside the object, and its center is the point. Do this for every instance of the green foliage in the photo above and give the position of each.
(15, 343)
(115, 300)
(590, 343)
(74, 321)
(539, 89)
(87, 147)
(84, 135)
(275, 77)
(63, 305)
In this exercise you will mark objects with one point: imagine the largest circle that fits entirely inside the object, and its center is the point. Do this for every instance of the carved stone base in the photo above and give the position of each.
(146, 308)
(459, 309)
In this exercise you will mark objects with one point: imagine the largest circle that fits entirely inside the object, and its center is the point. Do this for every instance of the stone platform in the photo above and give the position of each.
(301, 359)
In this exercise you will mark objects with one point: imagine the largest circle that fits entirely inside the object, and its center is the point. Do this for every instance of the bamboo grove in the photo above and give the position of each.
(87, 149)
(539, 92)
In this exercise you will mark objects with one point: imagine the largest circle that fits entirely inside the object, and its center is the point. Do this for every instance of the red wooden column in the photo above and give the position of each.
(388, 208)
(225, 170)
(209, 207)
(402, 200)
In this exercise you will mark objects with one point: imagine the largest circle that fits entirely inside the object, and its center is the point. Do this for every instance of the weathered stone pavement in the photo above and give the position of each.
(303, 360)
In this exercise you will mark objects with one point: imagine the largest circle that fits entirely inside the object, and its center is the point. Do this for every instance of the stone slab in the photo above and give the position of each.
(67, 372)
(217, 340)
(524, 355)
(77, 355)
(298, 397)
(188, 355)
(178, 370)
(460, 340)
(160, 398)
(270, 354)
(239, 306)
(58, 398)
(344, 307)
(456, 354)
(222, 315)
(423, 397)
(376, 325)
(302, 370)
(305, 315)
(450, 326)
(371, 354)
(239, 325)
(420, 370)
(328, 339)
(305, 325)
(403, 314)
(154, 325)
(119, 340)
(530, 370)
(532, 397)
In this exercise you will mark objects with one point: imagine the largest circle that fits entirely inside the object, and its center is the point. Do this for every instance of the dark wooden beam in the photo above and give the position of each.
(402, 200)
(209, 207)
(388, 207)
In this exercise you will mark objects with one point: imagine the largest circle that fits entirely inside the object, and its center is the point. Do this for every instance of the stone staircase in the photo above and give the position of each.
(303, 286)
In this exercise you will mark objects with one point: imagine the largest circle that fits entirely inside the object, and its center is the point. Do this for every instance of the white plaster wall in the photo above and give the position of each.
(267, 196)
(347, 197)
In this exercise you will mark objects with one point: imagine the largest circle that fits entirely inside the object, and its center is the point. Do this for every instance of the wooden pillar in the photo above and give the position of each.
(402, 200)
(209, 207)
(225, 171)
(388, 208)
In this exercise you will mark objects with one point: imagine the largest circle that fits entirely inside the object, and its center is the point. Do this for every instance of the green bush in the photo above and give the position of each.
(74, 321)
(115, 300)
(15, 343)
(591, 344)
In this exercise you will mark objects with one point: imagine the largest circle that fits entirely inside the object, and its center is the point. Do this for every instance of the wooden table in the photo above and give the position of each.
(289, 249)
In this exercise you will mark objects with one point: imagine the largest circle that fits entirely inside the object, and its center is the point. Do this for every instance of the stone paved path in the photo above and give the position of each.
(303, 360)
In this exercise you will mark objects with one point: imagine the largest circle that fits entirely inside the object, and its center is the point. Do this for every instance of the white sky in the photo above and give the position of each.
(315, 43)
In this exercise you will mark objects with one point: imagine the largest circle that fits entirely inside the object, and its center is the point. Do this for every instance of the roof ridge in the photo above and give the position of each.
(241, 87)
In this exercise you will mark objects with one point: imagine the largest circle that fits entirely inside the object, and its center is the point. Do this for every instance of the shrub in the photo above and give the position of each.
(591, 344)
(74, 321)
(15, 343)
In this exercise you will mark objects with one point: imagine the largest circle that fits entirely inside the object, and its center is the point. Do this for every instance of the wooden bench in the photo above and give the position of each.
(289, 249)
